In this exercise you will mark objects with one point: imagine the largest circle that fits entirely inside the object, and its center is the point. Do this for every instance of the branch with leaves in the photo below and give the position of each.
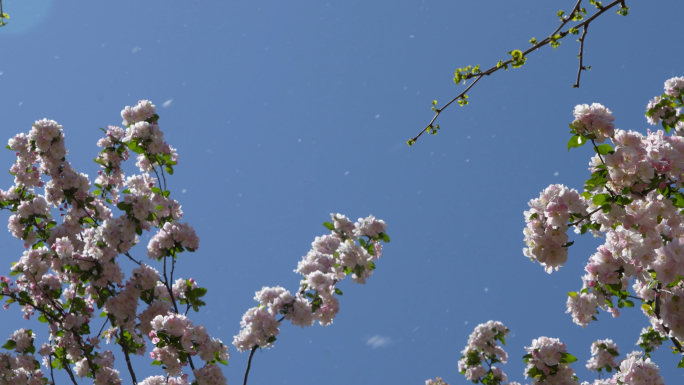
(519, 58)
(3, 16)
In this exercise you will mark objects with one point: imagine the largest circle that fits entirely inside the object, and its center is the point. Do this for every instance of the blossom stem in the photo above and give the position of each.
(583, 218)
(52, 376)
(249, 363)
(124, 347)
(68, 369)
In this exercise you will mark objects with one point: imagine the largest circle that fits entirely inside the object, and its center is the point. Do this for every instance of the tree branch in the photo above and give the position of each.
(555, 36)
(581, 56)
(124, 347)
(249, 363)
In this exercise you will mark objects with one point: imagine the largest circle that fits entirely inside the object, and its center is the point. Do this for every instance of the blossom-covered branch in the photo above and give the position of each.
(344, 252)
(634, 199)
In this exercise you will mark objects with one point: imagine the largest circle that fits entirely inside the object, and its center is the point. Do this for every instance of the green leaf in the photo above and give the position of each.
(385, 237)
(629, 303)
(169, 169)
(568, 358)
(598, 199)
(160, 207)
(606, 208)
(681, 364)
(199, 292)
(9, 345)
(576, 141)
(43, 318)
(156, 190)
(572, 294)
(604, 149)
(135, 148)
(338, 291)
(329, 226)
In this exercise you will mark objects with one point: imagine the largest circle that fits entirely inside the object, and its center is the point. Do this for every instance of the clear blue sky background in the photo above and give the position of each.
(283, 112)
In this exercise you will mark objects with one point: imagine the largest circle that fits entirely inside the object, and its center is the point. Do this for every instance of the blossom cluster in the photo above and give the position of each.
(547, 224)
(548, 363)
(603, 353)
(650, 340)
(637, 370)
(632, 200)
(483, 348)
(71, 264)
(595, 121)
(176, 338)
(21, 368)
(332, 257)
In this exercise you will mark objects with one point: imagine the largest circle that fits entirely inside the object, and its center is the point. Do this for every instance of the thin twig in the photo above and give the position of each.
(437, 111)
(102, 328)
(249, 363)
(581, 56)
(124, 347)
(132, 259)
(173, 300)
(583, 218)
(50, 356)
(68, 369)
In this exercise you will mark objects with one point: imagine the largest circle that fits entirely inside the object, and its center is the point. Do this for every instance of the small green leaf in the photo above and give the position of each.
(42, 318)
(169, 169)
(135, 148)
(572, 294)
(568, 358)
(604, 149)
(329, 226)
(598, 199)
(576, 141)
(9, 345)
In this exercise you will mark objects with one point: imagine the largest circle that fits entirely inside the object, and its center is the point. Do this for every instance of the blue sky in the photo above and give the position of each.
(283, 112)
